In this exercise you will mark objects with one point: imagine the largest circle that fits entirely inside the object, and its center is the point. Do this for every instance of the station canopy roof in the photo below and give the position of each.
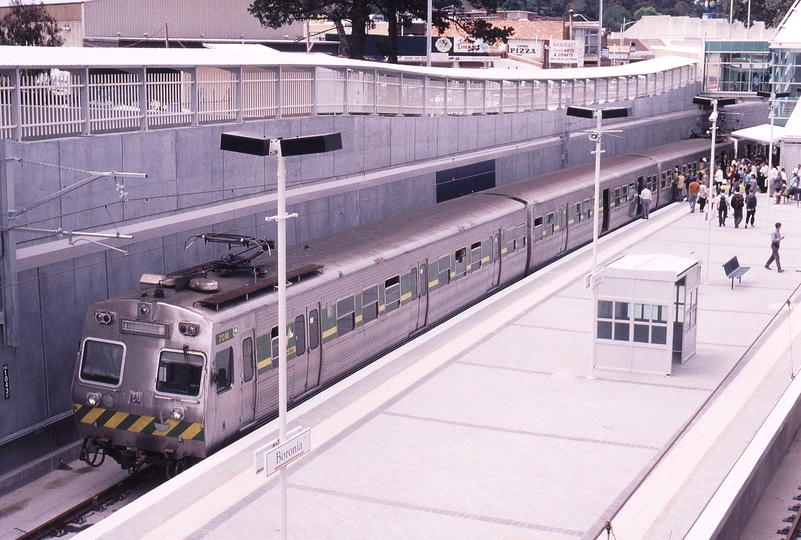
(762, 132)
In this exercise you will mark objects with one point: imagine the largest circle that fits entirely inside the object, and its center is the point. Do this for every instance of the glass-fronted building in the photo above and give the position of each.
(737, 66)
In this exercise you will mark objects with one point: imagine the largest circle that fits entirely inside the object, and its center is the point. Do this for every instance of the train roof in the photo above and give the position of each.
(567, 181)
(339, 254)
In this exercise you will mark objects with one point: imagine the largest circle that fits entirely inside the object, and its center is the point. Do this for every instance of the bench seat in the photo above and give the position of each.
(734, 270)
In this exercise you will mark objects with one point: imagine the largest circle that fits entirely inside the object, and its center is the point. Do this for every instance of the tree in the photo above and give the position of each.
(277, 13)
(770, 11)
(29, 25)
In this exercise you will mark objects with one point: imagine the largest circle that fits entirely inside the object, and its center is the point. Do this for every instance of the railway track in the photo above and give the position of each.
(92, 509)
(791, 532)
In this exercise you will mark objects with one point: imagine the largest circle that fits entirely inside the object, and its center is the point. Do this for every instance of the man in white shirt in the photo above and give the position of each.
(645, 201)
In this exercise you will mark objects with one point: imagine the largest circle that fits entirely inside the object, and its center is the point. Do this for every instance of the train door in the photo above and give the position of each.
(419, 284)
(228, 403)
(248, 376)
(495, 259)
(307, 345)
(605, 211)
(640, 186)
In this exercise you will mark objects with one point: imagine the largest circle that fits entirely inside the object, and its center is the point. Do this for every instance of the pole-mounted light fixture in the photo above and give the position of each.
(596, 136)
(258, 145)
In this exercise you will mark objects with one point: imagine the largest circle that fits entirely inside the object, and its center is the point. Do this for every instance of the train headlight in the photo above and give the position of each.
(177, 413)
(188, 328)
(104, 317)
(108, 401)
(93, 399)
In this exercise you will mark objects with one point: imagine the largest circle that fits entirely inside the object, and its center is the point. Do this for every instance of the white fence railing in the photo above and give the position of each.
(87, 101)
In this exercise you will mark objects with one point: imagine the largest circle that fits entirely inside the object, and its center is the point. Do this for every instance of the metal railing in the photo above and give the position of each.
(86, 101)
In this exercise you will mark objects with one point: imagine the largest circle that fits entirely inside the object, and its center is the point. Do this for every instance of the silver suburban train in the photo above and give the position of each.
(171, 373)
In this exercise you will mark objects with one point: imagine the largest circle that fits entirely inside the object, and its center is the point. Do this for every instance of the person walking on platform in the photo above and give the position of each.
(723, 209)
(703, 194)
(645, 201)
(775, 239)
(750, 208)
(737, 205)
(693, 190)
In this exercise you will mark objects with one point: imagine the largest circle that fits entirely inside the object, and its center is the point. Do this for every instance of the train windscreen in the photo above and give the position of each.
(179, 373)
(102, 361)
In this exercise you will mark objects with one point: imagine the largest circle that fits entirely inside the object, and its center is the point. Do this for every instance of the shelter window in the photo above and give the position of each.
(370, 304)
(179, 373)
(650, 323)
(102, 361)
(613, 320)
(346, 316)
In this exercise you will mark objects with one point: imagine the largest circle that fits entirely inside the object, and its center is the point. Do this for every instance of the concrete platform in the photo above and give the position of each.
(492, 425)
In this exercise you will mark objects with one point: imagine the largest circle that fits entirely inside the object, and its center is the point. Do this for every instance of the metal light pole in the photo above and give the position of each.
(772, 96)
(706, 102)
(429, 31)
(594, 278)
(283, 148)
(600, 28)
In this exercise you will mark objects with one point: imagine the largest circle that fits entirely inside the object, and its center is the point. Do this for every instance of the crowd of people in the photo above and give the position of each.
(734, 189)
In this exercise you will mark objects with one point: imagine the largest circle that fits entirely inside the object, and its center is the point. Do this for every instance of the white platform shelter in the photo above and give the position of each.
(646, 313)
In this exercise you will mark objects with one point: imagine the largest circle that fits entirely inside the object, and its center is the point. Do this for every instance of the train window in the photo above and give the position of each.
(579, 216)
(370, 304)
(247, 357)
(224, 369)
(664, 179)
(179, 373)
(520, 236)
(274, 346)
(423, 280)
(624, 193)
(548, 225)
(617, 196)
(102, 361)
(346, 316)
(392, 294)
(475, 256)
(444, 270)
(413, 282)
(300, 335)
(509, 238)
(631, 191)
(460, 263)
(539, 230)
(314, 330)
(588, 208)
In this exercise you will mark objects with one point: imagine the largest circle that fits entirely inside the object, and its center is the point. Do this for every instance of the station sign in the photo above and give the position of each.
(275, 456)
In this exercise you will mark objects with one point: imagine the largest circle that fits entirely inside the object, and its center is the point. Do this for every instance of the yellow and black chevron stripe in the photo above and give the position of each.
(138, 424)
